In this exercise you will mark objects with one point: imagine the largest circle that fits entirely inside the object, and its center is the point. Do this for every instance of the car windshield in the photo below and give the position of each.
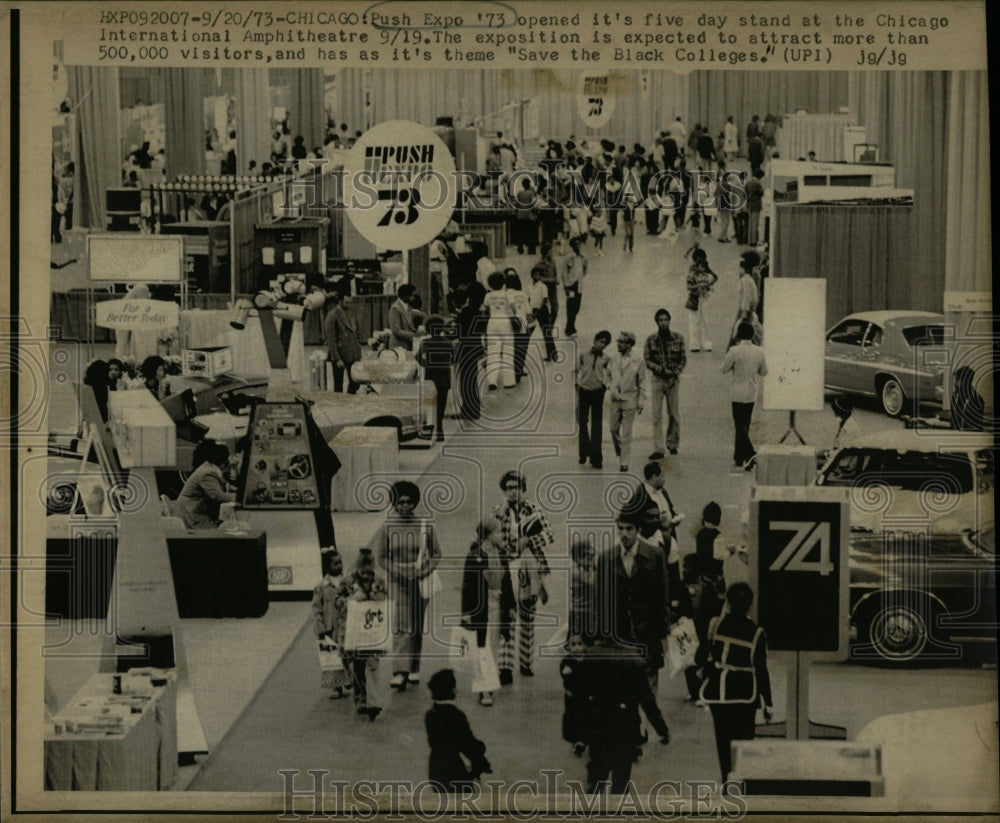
(926, 335)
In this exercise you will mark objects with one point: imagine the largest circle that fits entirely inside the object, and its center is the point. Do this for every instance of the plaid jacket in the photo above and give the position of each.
(665, 362)
(535, 543)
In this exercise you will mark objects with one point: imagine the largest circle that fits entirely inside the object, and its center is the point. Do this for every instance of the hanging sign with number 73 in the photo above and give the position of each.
(399, 185)
(799, 567)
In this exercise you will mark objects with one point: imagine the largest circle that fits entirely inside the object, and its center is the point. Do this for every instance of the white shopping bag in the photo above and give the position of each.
(682, 645)
(487, 677)
(367, 626)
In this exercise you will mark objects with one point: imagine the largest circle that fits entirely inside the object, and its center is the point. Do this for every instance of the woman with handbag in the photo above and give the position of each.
(487, 603)
(407, 548)
(736, 677)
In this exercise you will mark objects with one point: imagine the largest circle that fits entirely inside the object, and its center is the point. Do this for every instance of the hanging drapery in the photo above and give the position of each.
(862, 250)
(253, 119)
(94, 93)
(715, 95)
(185, 116)
(307, 115)
(968, 258)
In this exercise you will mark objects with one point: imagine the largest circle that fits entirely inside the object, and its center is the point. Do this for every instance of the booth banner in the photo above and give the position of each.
(367, 627)
(400, 185)
(595, 99)
(137, 315)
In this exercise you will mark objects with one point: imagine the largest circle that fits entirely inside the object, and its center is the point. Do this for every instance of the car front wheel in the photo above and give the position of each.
(899, 632)
(892, 396)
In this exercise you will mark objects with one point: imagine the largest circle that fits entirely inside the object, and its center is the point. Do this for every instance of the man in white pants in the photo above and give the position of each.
(627, 392)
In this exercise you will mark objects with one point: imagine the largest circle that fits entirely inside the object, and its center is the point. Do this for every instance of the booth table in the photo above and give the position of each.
(141, 757)
(363, 451)
(786, 466)
(822, 133)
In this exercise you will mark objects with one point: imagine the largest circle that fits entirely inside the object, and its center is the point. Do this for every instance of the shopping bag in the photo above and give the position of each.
(487, 677)
(430, 585)
(462, 653)
(331, 664)
(367, 627)
(682, 645)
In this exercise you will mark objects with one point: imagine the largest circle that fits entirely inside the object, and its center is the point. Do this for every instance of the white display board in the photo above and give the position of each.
(131, 257)
(794, 343)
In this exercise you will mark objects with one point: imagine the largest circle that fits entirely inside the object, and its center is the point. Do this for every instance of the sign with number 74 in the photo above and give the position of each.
(799, 567)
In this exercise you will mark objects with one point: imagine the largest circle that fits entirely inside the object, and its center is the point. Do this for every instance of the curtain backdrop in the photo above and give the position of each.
(645, 102)
(253, 124)
(968, 253)
(307, 115)
(715, 95)
(185, 116)
(863, 251)
(95, 95)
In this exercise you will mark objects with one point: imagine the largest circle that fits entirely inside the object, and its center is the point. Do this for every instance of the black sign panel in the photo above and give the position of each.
(801, 554)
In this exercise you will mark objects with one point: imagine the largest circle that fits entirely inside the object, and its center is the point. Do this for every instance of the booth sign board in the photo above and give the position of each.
(801, 567)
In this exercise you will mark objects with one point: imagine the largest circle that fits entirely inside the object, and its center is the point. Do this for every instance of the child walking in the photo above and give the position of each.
(451, 740)
(326, 619)
(577, 692)
(361, 585)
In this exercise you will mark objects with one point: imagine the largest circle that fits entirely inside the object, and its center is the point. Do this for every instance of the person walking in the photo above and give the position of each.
(407, 549)
(571, 276)
(747, 364)
(451, 741)
(343, 340)
(665, 357)
(737, 680)
(591, 386)
(361, 585)
(487, 591)
(526, 533)
(700, 281)
(627, 388)
(538, 301)
(437, 356)
(499, 335)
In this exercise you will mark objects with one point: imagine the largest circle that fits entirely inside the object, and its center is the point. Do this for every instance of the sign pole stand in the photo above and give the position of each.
(792, 430)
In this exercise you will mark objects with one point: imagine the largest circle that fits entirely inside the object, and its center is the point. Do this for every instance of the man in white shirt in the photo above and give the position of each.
(538, 300)
(747, 364)
(627, 393)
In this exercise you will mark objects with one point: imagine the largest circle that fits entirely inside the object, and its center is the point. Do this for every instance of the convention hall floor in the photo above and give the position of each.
(256, 682)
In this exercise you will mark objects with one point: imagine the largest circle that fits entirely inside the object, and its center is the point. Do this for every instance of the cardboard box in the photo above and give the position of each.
(143, 432)
(210, 362)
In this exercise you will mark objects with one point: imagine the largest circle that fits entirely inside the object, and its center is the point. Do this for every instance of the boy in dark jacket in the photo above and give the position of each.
(451, 740)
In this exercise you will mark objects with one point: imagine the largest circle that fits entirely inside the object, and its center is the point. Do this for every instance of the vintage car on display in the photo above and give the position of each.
(880, 354)
(916, 596)
(922, 559)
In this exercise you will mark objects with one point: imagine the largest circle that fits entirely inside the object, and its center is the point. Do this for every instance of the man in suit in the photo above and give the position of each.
(401, 324)
(631, 598)
(627, 388)
(658, 520)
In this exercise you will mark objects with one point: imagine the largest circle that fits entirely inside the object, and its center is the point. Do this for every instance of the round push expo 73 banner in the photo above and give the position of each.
(399, 185)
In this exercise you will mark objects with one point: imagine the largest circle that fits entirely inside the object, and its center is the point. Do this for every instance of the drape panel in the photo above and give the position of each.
(714, 95)
(95, 93)
(307, 115)
(645, 102)
(253, 133)
(185, 116)
(968, 251)
(863, 251)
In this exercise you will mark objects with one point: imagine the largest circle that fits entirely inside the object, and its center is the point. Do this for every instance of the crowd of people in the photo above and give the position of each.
(621, 605)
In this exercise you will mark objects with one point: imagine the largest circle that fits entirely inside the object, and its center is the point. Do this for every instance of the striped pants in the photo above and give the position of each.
(526, 639)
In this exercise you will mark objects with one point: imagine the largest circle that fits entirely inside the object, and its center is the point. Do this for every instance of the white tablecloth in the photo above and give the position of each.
(786, 466)
(822, 133)
(368, 453)
(141, 758)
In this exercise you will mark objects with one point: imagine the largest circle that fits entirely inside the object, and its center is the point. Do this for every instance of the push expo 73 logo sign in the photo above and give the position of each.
(801, 568)
(400, 185)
